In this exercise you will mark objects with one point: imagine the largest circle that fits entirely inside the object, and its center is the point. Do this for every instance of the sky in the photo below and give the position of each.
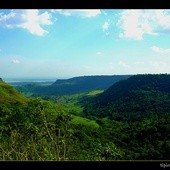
(62, 43)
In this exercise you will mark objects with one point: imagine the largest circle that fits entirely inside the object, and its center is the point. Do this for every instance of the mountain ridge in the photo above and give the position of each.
(74, 85)
(139, 96)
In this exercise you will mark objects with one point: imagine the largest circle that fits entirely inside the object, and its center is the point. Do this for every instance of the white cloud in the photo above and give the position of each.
(105, 13)
(160, 50)
(105, 26)
(123, 64)
(163, 21)
(30, 20)
(136, 23)
(16, 61)
(159, 67)
(107, 34)
(84, 13)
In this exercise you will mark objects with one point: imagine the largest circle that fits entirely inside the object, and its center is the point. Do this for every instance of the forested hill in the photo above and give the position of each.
(148, 82)
(44, 130)
(92, 81)
(73, 85)
(88, 83)
(8, 94)
(137, 97)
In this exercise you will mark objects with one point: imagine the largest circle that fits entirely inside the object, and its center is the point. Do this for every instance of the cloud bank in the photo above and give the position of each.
(31, 20)
(135, 24)
(84, 13)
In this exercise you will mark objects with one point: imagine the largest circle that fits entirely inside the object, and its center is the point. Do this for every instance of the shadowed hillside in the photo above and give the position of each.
(129, 121)
(133, 99)
(73, 85)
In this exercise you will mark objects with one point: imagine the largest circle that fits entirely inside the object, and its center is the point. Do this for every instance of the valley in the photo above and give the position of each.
(87, 118)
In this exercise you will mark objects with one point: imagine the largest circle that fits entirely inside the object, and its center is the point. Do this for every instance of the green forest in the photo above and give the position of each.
(70, 86)
(126, 118)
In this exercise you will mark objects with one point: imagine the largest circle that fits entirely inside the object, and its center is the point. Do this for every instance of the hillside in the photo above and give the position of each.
(42, 130)
(110, 129)
(87, 83)
(9, 95)
(135, 98)
(98, 82)
(72, 85)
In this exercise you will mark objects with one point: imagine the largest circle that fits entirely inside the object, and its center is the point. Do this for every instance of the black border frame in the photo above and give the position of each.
(84, 4)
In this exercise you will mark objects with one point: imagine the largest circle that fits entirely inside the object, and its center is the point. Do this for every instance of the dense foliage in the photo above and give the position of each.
(72, 85)
(134, 99)
(129, 121)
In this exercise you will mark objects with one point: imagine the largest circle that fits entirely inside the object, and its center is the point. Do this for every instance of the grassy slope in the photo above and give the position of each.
(83, 121)
(73, 102)
(8, 94)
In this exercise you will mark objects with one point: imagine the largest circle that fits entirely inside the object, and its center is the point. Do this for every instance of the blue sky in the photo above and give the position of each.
(67, 43)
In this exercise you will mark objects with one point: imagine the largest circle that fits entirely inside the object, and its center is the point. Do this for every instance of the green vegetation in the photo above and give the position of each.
(134, 99)
(83, 121)
(9, 95)
(95, 92)
(71, 86)
(128, 121)
(73, 103)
